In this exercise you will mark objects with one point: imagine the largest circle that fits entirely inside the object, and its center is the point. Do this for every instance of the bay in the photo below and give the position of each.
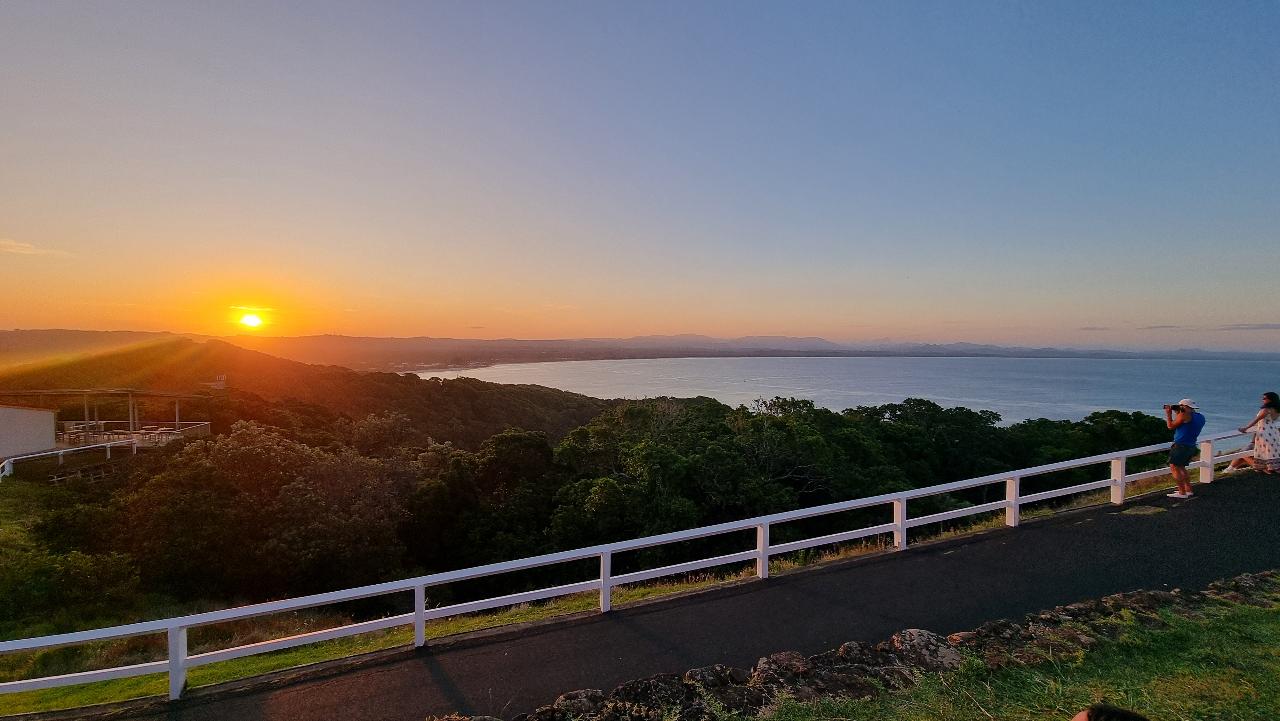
(1016, 388)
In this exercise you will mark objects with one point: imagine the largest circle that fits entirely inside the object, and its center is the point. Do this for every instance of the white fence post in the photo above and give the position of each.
(900, 523)
(419, 616)
(108, 451)
(1206, 457)
(762, 550)
(177, 660)
(1117, 480)
(60, 458)
(1012, 512)
(606, 583)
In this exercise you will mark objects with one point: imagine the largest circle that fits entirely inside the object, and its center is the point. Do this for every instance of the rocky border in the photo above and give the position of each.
(863, 670)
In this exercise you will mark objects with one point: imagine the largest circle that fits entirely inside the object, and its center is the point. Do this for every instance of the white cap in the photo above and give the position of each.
(1188, 403)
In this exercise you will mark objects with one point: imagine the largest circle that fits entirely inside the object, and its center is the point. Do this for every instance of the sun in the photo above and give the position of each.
(250, 320)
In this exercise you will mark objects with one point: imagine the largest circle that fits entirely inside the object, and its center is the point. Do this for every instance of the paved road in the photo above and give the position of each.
(1230, 527)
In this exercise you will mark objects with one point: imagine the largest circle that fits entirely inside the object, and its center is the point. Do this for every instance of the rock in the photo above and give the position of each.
(661, 692)
(1251, 589)
(894, 678)
(614, 710)
(780, 667)
(799, 692)
(453, 717)
(715, 676)
(547, 713)
(857, 652)
(1139, 600)
(1002, 630)
(696, 711)
(925, 650)
(784, 674)
(580, 703)
(738, 699)
(852, 681)
(875, 662)
(962, 638)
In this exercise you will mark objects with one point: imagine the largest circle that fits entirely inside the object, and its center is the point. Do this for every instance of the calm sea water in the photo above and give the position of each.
(1016, 388)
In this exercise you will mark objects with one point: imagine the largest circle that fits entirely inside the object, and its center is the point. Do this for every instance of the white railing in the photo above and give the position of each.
(6, 468)
(179, 660)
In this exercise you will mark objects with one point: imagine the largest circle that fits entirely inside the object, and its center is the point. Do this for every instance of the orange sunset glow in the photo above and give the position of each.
(638, 194)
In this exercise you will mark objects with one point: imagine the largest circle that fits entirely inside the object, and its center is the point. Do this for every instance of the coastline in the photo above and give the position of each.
(491, 363)
(1016, 388)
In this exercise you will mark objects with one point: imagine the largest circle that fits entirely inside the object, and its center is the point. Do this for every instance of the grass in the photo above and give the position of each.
(19, 506)
(1224, 666)
(15, 507)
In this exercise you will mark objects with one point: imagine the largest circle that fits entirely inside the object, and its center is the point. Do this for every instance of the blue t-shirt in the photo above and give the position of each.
(1187, 433)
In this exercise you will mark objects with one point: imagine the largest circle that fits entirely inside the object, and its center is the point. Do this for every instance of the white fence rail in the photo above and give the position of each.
(6, 468)
(179, 660)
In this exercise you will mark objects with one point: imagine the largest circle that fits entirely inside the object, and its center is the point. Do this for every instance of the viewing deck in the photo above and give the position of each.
(45, 439)
(76, 434)
(80, 437)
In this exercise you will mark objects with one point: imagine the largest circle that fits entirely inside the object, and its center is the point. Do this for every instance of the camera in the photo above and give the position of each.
(1173, 407)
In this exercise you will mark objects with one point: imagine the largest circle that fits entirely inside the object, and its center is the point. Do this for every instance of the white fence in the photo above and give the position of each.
(179, 660)
(6, 469)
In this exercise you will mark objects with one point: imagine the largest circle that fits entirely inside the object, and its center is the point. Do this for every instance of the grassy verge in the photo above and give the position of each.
(1224, 666)
(18, 507)
(154, 685)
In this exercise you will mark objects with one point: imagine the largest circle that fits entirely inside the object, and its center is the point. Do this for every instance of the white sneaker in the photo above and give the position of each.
(1175, 494)
(1228, 469)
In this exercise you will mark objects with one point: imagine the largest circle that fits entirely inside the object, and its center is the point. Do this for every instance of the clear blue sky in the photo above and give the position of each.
(1024, 172)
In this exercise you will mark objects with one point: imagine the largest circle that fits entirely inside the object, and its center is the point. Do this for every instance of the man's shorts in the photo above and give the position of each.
(1180, 455)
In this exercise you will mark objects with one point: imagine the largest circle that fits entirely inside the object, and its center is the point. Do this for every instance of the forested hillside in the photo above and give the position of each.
(259, 513)
(307, 399)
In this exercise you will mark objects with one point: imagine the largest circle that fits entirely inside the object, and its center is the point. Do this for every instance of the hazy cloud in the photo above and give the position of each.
(1094, 327)
(12, 246)
(1165, 327)
(535, 310)
(1250, 326)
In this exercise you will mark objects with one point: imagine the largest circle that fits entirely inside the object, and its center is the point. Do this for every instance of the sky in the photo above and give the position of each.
(1082, 174)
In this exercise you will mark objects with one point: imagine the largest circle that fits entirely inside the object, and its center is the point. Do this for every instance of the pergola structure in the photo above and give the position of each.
(132, 394)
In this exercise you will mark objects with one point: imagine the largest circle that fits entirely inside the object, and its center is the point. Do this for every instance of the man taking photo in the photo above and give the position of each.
(1185, 420)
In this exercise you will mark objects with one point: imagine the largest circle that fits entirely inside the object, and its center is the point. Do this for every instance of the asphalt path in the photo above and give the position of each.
(1228, 528)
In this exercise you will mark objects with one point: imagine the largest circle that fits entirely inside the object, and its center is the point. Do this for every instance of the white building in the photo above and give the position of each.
(26, 430)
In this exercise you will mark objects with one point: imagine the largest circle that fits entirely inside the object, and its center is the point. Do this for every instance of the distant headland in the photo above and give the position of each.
(427, 353)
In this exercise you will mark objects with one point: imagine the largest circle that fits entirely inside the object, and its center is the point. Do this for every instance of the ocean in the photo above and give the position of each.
(1016, 388)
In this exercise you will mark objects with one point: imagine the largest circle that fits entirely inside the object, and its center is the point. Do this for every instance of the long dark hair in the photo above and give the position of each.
(1271, 400)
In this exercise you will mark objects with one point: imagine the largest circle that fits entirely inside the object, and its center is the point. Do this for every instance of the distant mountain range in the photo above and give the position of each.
(426, 353)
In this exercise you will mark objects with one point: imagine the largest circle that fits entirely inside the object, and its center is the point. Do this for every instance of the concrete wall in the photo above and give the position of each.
(25, 430)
